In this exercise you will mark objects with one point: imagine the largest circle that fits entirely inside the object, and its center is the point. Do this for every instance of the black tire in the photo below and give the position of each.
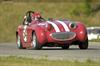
(35, 42)
(65, 47)
(83, 45)
(19, 44)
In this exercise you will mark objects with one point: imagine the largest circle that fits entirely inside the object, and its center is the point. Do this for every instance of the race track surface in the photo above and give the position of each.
(74, 53)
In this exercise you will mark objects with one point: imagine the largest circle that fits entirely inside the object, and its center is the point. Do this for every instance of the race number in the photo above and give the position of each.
(25, 33)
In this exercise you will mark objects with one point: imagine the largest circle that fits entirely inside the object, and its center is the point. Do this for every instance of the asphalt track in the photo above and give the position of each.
(74, 53)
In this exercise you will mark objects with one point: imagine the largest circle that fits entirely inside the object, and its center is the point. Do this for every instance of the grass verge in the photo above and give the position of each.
(20, 61)
(94, 40)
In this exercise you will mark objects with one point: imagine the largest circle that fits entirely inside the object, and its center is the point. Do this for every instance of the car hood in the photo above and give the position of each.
(59, 26)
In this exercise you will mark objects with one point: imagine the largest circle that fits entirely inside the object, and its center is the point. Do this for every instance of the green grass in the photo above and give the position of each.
(50, 0)
(95, 40)
(20, 61)
(11, 15)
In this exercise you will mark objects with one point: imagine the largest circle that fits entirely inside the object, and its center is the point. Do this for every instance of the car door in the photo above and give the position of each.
(29, 33)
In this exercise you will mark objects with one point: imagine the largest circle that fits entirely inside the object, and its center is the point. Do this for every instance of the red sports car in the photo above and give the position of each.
(36, 32)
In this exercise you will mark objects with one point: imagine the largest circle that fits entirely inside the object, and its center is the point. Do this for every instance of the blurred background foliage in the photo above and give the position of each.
(13, 11)
(52, 0)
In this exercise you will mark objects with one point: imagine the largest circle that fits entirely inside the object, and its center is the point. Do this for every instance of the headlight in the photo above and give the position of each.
(72, 25)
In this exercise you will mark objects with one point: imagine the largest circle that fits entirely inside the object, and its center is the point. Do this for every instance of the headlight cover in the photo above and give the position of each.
(72, 25)
(49, 27)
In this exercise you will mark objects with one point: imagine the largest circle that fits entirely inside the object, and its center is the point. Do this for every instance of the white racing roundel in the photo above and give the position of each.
(25, 33)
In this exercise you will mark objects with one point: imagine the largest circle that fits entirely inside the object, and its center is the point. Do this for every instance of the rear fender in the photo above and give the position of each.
(19, 32)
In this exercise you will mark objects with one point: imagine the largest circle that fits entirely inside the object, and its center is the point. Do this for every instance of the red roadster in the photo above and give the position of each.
(36, 32)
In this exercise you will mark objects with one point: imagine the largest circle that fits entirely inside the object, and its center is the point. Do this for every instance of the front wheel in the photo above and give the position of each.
(65, 47)
(35, 42)
(83, 45)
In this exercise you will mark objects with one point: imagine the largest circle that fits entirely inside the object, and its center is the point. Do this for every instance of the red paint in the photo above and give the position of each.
(44, 30)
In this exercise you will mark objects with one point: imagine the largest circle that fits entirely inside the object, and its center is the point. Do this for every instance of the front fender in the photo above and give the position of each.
(41, 36)
(81, 32)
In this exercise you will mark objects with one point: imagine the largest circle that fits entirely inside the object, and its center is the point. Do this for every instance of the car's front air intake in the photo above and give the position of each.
(63, 36)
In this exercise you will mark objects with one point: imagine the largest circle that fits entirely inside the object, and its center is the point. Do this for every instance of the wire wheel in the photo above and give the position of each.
(35, 43)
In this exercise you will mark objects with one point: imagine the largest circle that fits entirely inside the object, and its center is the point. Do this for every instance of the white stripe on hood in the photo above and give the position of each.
(64, 25)
(55, 26)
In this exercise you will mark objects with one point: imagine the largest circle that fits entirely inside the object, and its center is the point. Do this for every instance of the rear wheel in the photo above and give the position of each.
(35, 42)
(19, 44)
(65, 47)
(83, 45)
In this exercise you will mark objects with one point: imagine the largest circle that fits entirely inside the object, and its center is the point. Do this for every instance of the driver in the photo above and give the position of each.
(37, 17)
(31, 16)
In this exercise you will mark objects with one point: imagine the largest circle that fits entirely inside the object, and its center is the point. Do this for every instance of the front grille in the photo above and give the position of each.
(63, 36)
